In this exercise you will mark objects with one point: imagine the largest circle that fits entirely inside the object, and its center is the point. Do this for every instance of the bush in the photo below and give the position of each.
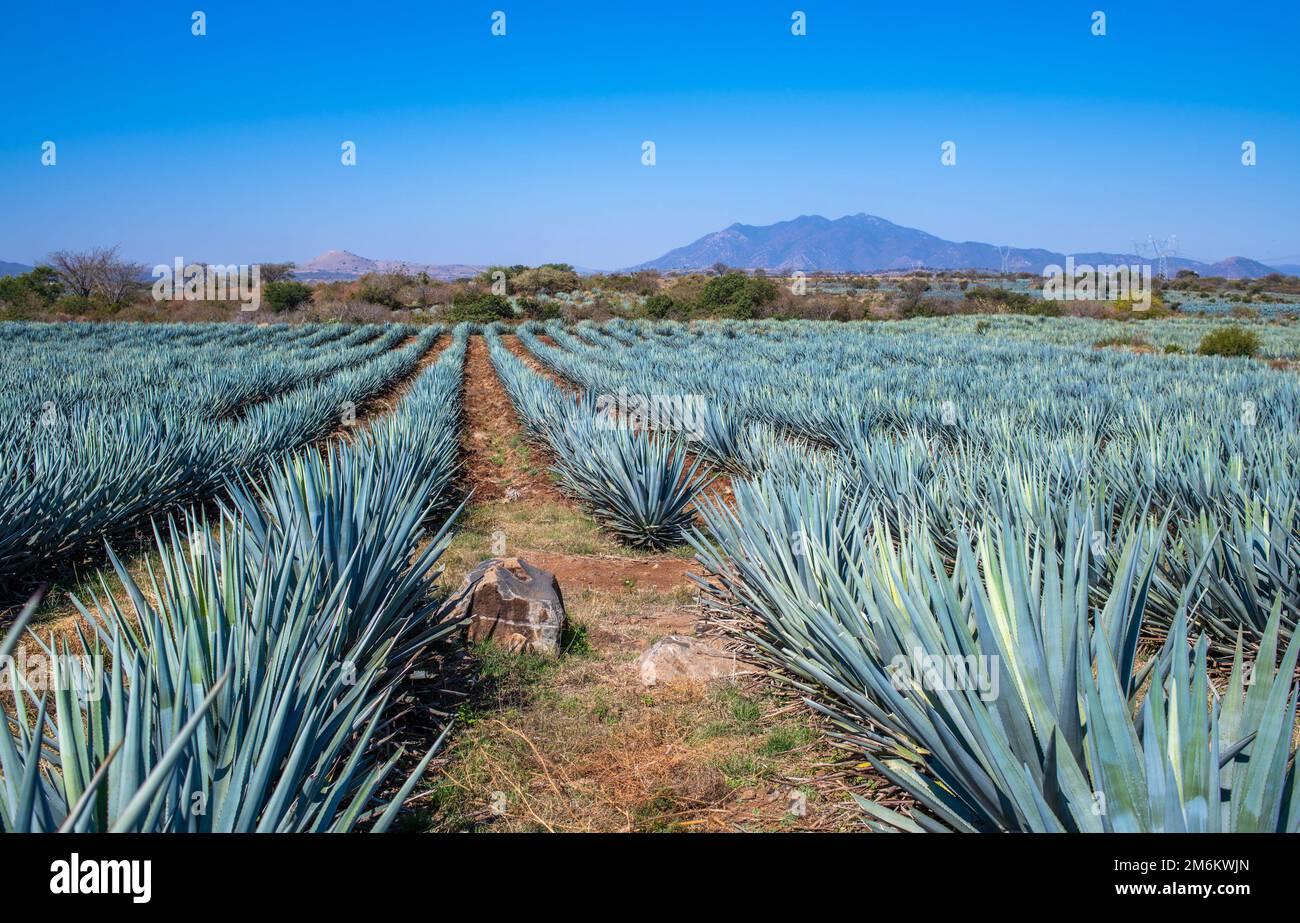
(910, 301)
(383, 289)
(1229, 341)
(598, 309)
(1006, 301)
(549, 278)
(722, 292)
(76, 304)
(538, 308)
(644, 282)
(348, 311)
(736, 295)
(660, 306)
(285, 296)
(1132, 341)
(39, 288)
(478, 308)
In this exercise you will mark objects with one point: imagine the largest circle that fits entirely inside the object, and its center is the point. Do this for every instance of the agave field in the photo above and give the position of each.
(1277, 305)
(1060, 517)
(1278, 339)
(1037, 586)
(105, 425)
(245, 684)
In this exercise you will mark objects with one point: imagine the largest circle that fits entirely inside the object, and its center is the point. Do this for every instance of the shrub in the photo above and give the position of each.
(346, 312)
(478, 308)
(909, 300)
(660, 306)
(1012, 302)
(1133, 340)
(549, 278)
(1229, 341)
(538, 308)
(40, 287)
(921, 307)
(383, 289)
(736, 295)
(285, 296)
(721, 292)
(76, 304)
(643, 282)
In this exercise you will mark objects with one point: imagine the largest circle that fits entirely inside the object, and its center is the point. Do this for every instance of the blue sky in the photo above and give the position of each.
(527, 147)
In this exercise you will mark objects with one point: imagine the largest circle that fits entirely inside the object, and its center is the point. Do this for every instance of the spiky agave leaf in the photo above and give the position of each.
(60, 771)
(1239, 559)
(872, 618)
(249, 695)
(114, 451)
(636, 483)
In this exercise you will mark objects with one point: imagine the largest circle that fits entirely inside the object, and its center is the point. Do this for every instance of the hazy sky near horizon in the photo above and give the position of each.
(527, 147)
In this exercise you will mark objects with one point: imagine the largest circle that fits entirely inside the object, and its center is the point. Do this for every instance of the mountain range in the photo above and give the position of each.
(341, 264)
(811, 243)
(865, 243)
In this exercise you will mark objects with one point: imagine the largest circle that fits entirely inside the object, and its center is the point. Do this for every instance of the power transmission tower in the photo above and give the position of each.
(1161, 250)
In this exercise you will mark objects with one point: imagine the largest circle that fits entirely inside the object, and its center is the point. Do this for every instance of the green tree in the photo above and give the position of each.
(736, 295)
(286, 295)
(39, 288)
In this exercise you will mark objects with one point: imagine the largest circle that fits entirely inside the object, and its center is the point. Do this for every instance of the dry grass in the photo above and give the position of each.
(575, 743)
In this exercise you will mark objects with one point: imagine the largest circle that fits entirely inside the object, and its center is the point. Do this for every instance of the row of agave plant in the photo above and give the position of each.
(639, 484)
(964, 592)
(247, 684)
(996, 679)
(142, 425)
(940, 424)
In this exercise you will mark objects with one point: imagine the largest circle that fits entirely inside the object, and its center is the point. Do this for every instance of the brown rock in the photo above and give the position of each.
(515, 604)
(679, 659)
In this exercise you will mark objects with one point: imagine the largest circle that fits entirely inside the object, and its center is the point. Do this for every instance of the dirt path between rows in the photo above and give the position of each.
(497, 459)
(577, 742)
(501, 464)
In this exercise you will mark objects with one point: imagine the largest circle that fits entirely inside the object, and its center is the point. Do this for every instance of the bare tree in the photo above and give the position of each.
(275, 272)
(79, 270)
(117, 279)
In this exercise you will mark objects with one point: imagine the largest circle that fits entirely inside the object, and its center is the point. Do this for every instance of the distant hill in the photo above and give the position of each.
(13, 269)
(865, 243)
(1237, 267)
(333, 265)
